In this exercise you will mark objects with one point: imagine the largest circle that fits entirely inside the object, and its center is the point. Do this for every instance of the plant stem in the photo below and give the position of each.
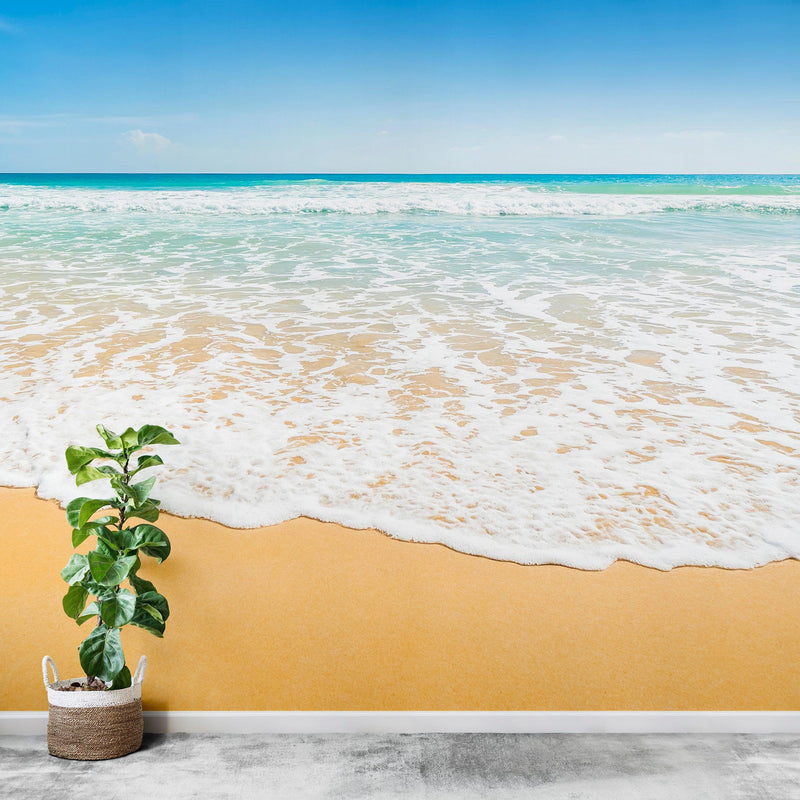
(125, 481)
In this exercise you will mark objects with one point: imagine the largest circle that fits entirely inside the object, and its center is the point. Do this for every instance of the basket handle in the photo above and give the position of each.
(138, 676)
(45, 661)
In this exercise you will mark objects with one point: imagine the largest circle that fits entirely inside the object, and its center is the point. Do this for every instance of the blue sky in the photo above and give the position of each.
(303, 86)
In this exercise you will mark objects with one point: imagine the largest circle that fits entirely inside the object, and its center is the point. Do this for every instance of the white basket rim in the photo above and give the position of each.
(111, 697)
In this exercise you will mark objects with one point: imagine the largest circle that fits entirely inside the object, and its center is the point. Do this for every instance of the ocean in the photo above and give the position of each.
(566, 369)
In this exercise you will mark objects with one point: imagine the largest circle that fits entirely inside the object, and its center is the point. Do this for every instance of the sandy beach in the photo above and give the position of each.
(308, 615)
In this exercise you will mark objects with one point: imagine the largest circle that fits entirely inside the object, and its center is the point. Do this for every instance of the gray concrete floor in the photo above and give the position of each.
(430, 766)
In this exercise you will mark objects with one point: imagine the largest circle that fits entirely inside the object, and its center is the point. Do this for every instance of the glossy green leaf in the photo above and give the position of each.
(153, 434)
(118, 541)
(140, 585)
(109, 471)
(109, 571)
(145, 462)
(123, 679)
(81, 509)
(151, 541)
(101, 592)
(75, 601)
(88, 473)
(73, 510)
(76, 569)
(130, 438)
(148, 616)
(94, 528)
(90, 612)
(145, 620)
(106, 519)
(79, 536)
(118, 611)
(152, 611)
(119, 485)
(140, 491)
(101, 653)
(106, 550)
(157, 601)
(89, 508)
(148, 511)
(78, 457)
(112, 440)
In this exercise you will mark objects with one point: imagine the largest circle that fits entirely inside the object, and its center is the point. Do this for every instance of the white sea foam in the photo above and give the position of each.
(537, 390)
(481, 200)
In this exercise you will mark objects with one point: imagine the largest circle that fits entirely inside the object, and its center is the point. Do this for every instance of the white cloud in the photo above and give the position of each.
(147, 142)
(556, 137)
(694, 136)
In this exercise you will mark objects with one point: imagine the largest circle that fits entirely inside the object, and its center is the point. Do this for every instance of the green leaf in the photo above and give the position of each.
(151, 541)
(152, 611)
(125, 541)
(88, 473)
(112, 440)
(108, 571)
(97, 527)
(74, 601)
(104, 520)
(130, 438)
(108, 470)
(157, 601)
(148, 614)
(106, 549)
(101, 653)
(78, 537)
(117, 541)
(100, 531)
(78, 457)
(120, 487)
(81, 509)
(76, 569)
(140, 585)
(153, 434)
(145, 462)
(123, 679)
(145, 620)
(140, 491)
(106, 544)
(90, 612)
(118, 611)
(147, 511)
(74, 509)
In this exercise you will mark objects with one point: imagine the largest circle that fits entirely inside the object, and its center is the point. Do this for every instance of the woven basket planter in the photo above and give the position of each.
(92, 726)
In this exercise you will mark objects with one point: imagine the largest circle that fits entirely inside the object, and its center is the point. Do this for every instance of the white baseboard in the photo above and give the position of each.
(34, 723)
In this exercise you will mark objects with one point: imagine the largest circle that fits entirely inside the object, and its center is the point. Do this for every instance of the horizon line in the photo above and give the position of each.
(470, 174)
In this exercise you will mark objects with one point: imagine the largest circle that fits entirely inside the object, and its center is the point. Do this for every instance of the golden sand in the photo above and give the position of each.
(313, 616)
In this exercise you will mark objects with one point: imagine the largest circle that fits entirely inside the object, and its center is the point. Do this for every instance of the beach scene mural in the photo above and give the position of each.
(544, 369)
(478, 325)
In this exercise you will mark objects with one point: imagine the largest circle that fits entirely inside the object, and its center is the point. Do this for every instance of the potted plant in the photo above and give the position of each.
(100, 715)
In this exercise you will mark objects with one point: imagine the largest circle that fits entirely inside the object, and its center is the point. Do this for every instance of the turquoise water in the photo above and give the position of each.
(636, 184)
(556, 368)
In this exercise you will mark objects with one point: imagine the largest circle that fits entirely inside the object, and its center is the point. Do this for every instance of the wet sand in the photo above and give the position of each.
(313, 616)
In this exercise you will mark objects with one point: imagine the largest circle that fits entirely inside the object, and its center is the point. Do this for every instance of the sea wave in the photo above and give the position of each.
(481, 200)
(570, 390)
